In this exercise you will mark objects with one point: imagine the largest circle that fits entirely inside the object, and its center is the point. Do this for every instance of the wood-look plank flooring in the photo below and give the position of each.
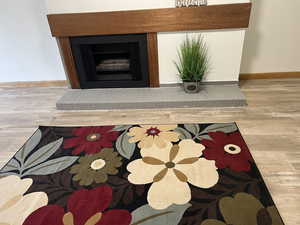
(270, 125)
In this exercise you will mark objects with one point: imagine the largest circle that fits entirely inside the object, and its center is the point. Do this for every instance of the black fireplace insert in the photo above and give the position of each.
(114, 61)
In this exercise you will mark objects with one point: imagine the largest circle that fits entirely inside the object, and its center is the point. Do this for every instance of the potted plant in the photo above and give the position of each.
(193, 63)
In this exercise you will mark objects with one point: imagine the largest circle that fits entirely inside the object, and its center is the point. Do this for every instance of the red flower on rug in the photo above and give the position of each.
(91, 139)
(84, 207)
(228, 150)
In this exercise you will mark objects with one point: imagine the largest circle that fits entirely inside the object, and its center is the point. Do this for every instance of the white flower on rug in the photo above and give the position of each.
(15, 207)
(170, 169)
(148, 135)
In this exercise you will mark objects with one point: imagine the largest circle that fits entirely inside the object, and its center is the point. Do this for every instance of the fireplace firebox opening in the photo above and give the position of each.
(111, 61)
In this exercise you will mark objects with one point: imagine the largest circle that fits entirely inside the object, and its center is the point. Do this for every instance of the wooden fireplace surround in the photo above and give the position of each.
(64, 26)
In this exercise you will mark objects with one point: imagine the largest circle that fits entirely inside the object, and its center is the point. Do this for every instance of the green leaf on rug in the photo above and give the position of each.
(193, 128)
(121, 127)
(43, 153)
(146, 215)
(123, 146)
(52, 166)
(224, 127)
(27, 163)
(11, 166)
(33, 141)
(183, 133)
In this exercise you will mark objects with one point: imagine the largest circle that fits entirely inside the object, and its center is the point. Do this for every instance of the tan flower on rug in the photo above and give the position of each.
(170, 169)
(245, 209)
(96, 167)
(15, 207)
(147, 135)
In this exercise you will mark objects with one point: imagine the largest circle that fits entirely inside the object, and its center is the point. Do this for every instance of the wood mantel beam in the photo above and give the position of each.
(227, 16)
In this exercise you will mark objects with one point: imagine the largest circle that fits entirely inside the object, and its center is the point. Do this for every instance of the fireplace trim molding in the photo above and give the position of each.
(64, 26)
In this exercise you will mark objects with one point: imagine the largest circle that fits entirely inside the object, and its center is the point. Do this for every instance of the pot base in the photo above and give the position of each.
(191, 87)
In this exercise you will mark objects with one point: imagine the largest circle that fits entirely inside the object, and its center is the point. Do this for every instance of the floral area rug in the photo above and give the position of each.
(185, 174)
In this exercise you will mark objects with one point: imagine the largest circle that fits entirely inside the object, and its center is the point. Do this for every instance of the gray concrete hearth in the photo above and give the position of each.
(211, 95)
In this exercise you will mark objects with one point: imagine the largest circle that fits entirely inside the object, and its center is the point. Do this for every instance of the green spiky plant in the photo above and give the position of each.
(193, 59)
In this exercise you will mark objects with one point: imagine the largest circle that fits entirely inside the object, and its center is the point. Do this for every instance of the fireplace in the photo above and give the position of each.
(111, 61)
(116, 66)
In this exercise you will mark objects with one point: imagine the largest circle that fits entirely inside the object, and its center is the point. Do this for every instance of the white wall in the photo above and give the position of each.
(27, 50)
(272, 42)
(225, 51)
(225, 46)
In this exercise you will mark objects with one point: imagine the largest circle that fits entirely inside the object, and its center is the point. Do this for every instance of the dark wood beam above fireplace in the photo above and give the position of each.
(151, 21)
